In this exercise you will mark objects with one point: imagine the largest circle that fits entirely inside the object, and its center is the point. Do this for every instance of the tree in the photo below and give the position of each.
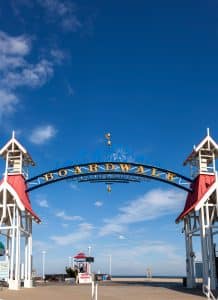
(70, 272)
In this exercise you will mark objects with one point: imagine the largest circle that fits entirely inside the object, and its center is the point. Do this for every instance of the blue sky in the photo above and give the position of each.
(145, 71)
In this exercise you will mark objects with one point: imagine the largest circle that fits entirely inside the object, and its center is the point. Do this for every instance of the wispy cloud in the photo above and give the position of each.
(16, 71)
(149, 247)
(62, 12)
(64, 225)
(8, 102)
(160, 256)
(31, 75)
(121, 154)
(39, 246)
(42, 203)
(62, 215)
(154, 204)
(42, 134)
(70, 90)
(14, 46)
(121, 237)
(83, 232)
(112, 228)
(74, 187)
(12, 52)
(58, 55)
(98, 203)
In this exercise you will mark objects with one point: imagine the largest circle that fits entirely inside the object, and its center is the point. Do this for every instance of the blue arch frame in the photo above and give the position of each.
(110, 172)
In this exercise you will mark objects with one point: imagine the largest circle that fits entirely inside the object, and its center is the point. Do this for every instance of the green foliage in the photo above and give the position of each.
(70, 272)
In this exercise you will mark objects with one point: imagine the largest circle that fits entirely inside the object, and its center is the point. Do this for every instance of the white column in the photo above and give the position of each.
(28, 283)
(11, 254)
(14, 281)
(26, 251)
(43, 264)
(8, 247)
(88, 264)
(26, 260)
(204, 248)
(30, 253)
(210, 250)
(189, 254)
(17, 261)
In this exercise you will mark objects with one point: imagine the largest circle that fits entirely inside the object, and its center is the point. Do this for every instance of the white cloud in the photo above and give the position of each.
(112, 228)
(98, 203)
(74, 187)
(42, 203)
(82, 233)
(63, 12)
(14, 46)
(8, 102)
(31, 75)
(121, 237)
(12, 51)
(58, 55)
(162, 257)
(121, 155)
(39, 246)
(16, 71)
(64, 225)
(9, 62)
(70, 90)
(62, 215)
(71, 23)
(42, 134)
(154, 204)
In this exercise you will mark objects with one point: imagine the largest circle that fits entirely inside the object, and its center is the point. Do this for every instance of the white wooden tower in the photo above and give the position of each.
(200, 214)
(16, 214)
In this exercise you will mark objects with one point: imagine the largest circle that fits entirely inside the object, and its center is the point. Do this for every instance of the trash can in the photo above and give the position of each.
(184, 281)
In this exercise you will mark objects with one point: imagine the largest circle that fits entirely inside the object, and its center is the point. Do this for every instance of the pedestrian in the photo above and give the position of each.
(76, 276)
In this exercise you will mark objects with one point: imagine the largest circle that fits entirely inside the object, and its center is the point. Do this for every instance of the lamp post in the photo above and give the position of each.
(109, 256)
(89, 263)
(70, 261)
(43, 264)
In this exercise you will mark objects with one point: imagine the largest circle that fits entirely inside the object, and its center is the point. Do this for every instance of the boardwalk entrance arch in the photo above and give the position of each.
(110, 172)
(199, 216)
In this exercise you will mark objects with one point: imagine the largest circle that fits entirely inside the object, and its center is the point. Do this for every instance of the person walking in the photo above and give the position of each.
(77, 276)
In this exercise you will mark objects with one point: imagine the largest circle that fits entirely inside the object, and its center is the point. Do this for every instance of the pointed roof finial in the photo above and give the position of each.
(208, 131)
(13, 134)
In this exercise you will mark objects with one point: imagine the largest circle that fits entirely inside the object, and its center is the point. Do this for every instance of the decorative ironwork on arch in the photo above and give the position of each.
(110, 172)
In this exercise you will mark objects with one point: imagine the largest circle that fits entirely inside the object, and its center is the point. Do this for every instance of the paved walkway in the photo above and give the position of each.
(115, 291)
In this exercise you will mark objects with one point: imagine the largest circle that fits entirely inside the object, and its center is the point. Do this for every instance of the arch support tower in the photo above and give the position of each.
(16, 214)
(200, 214)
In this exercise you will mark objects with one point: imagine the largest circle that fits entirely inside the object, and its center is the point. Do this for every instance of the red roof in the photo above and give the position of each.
(17, 182)
(80, 255)
(200, 186)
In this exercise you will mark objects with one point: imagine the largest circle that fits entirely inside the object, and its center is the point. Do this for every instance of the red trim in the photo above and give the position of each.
(17, 182)
(80, 255)
(200, 186)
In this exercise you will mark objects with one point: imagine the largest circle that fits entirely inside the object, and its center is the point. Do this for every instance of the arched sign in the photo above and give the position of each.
(110, 172)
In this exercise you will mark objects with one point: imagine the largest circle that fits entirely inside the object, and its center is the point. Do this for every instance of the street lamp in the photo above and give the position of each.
(70, 261)
(43, 264)
(89, 263)
(109, 256)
